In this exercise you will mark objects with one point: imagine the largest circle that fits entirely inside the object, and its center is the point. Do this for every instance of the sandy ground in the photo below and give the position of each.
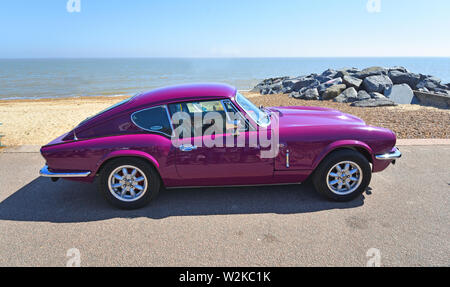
(37, 122)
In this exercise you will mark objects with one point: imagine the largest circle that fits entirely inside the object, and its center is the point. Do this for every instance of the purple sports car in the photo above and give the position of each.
(211, 135)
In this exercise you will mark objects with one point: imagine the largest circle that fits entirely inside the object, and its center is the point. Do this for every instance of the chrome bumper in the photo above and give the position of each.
(46, 173)
(396, 154)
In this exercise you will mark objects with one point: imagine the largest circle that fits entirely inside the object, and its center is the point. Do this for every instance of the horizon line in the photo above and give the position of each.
(220, 57)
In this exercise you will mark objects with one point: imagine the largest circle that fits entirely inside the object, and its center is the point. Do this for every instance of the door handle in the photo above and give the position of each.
(188, 147)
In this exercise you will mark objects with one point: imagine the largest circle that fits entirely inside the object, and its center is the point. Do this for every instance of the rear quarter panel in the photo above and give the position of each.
(89, 155)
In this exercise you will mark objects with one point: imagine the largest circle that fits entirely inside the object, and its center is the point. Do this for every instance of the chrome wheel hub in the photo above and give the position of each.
(127, 183)
(344, 178)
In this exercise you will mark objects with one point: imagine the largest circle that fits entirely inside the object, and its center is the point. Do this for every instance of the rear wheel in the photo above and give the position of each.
(129, 183)
(343, 175)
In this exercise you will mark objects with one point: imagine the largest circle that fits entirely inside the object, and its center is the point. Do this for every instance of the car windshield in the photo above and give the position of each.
(259, 116)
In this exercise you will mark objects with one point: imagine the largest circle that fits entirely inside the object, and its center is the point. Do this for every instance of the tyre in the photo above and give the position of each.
(129, 183)
(343, 175)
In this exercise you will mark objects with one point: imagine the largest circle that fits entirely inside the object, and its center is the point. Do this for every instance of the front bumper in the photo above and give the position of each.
(393, 155)
(45, 172)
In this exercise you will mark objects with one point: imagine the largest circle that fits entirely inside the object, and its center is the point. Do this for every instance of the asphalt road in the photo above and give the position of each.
(405, 215)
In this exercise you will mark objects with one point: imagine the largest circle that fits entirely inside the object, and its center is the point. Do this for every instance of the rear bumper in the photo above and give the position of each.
(45, 172)
(393, 155)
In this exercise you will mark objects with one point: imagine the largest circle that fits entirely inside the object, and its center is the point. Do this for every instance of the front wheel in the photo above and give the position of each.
(129, 183)
(343, 175)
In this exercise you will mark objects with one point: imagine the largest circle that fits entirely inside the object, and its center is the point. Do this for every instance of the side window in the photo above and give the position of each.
(230, 108)
(198, 108)
(153, 120)
(225, 109)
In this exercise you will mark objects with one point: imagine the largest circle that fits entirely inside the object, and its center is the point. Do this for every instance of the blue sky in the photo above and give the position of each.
(226, 28)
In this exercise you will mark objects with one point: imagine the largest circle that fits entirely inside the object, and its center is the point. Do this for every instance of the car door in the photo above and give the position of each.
(231, 160)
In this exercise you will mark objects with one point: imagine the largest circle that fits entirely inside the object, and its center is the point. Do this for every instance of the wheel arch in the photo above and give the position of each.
(130, 154)
(357, 146)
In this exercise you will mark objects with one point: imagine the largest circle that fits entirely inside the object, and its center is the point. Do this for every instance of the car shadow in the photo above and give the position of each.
(70, 202)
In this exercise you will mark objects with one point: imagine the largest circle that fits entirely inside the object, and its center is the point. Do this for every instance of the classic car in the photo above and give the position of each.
(130, 147)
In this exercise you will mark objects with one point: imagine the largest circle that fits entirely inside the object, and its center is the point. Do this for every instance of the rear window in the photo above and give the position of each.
(107, 109)
(154, 120)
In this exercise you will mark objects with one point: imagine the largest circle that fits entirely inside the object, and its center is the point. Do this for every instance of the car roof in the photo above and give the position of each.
(184, 93)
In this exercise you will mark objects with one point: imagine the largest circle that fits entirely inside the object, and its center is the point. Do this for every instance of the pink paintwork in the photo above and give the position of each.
(308, 133)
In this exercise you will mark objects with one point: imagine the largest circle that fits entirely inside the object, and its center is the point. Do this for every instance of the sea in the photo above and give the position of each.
(54, 78)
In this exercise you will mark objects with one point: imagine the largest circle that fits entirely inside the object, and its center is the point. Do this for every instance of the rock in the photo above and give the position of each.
(323, 79)
(401, 94)
(289, 82)
(295, 95)
(377, 83)
(426, 85)
(306, 94)
(372, 71)
(433, 79)
(322, 87)
(274, 88)
(336, 81)
(271, 81)
(347, 96)
(370, 103)
(288, 85)
(342, 73)
(271, 92)
(434, 100)
(286, 90)
(441, 91)
(305, 82)
(377, 96)
(256, 89)
(425, 90)
(353, 70)
(431, 83)
(311, 94)
(399, 69)
(399, 77)
(363, 95)
(350, 81)
(330, 73)
(333, 91)
(267, 84)
(346, 72)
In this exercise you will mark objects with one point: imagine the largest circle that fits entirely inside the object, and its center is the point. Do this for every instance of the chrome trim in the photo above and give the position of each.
(287, 159)
(243, 185)
(170, 120)
(250, 125)
(47, 173)
(389, 156)
(257, 123)
(188, 147)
